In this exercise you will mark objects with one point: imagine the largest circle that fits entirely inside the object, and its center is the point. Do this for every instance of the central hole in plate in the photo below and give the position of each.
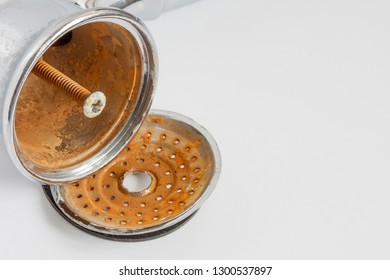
(137, 183)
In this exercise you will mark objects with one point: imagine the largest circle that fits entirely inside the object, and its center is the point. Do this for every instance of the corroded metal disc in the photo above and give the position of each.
(183, 162)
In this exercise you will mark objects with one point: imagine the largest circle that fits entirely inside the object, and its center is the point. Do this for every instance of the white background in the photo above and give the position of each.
(297, 95)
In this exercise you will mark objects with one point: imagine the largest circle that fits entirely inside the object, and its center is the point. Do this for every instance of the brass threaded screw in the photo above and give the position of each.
(94, 103)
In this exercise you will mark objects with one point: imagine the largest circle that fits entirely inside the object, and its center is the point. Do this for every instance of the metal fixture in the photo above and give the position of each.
(46, 132)
(83, 163)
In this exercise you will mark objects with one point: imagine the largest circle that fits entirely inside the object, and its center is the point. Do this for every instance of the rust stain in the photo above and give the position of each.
(50, 127)
(178, 181)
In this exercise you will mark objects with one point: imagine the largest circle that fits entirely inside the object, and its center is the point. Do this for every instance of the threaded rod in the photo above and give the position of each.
(47, 72)
(94, 103)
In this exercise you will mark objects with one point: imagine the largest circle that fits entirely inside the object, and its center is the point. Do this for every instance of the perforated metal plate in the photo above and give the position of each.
(183, 162)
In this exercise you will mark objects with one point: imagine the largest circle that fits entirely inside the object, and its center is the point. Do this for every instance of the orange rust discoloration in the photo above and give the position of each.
(51, 129)
(178, 181)
(158, 120)
(47, 72)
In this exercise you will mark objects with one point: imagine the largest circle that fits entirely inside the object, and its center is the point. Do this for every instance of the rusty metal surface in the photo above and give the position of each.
(184, 163)
(50, 126)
